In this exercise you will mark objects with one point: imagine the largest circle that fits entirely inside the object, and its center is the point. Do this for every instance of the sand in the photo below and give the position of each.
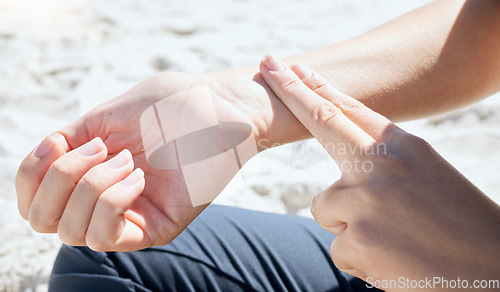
(59, 58)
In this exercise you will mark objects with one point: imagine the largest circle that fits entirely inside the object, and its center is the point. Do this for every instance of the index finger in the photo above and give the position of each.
(373, 123)
(322, 118)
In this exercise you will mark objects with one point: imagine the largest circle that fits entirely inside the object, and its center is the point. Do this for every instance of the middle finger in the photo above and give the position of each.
(78, 212)
(58, 183)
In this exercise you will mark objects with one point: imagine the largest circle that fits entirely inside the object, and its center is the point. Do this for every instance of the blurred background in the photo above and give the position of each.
(59, 58)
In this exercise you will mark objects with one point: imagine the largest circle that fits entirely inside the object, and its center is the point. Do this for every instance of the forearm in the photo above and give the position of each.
(441, 56)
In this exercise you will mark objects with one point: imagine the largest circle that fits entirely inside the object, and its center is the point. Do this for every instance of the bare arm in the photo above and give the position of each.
(441, 56)
(436, 58)
(421, 196)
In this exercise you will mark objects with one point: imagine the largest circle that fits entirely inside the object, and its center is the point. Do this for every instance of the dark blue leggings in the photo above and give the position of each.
(224, 249)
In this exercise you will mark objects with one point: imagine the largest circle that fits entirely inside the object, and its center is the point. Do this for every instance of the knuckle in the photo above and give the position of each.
(402, 156)
(34, 219)
(353, 108)
(324, 112)
(24, 190)
(316, 205)
(60, 171)
(318, 212)
(318, 202)
(97, 245)
(25, 172)
(89, 182)
(419, 143)
(97, 242)
(23, 211)
(338, 255)
(107, 205)
(41, 226)
(290, 85)
(318, 86)
(410, 143)
(68, 236)
(35, 225)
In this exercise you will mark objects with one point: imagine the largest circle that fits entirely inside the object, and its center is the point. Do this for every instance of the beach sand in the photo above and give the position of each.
(59, 58)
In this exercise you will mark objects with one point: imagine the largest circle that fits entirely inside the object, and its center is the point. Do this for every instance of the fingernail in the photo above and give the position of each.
(274, 64)
(120, 160)
(133, 178)
(91, 148)
(301, 71)
(44, 147)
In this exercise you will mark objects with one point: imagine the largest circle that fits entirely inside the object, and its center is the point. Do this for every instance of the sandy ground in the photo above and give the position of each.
(59, 58)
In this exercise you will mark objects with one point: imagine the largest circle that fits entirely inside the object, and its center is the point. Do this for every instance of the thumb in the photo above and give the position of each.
(78, 132)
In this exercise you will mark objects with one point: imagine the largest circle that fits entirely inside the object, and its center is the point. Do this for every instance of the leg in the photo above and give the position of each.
(224, 249)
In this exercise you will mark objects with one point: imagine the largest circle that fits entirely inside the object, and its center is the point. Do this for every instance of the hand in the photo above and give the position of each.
(86, 189)
(399, 209)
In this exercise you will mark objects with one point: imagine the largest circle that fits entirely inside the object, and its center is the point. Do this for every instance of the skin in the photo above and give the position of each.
(401, 70)
(152, 212)
(437, 58)
(394, 211)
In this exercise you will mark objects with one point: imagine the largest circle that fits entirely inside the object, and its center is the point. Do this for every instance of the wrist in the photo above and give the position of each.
(247, 92)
